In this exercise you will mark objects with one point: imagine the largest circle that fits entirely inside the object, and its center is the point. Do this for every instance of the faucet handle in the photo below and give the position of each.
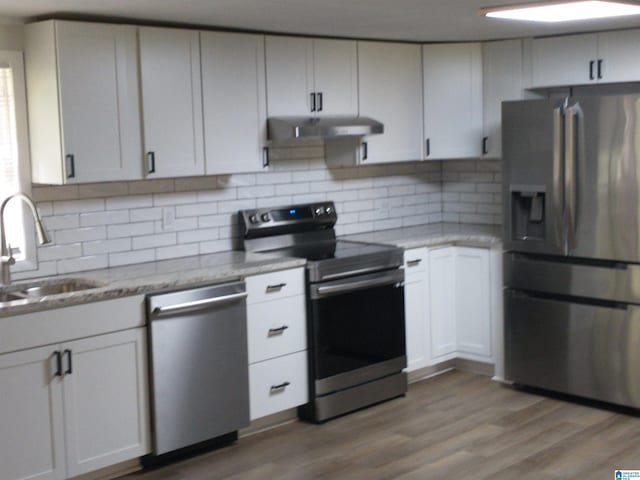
(10, 259)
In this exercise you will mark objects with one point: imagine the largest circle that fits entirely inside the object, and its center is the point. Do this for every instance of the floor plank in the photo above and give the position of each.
(456, 425)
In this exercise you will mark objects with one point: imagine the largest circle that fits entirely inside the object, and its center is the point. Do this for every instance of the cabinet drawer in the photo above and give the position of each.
(415, 260)
(278, 384)
(276, 328)
(271, 286)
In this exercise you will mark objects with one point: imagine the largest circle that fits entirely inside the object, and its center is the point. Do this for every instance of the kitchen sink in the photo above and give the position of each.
(46, 288)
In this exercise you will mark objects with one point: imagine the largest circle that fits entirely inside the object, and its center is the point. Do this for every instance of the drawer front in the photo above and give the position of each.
(275, 285)
(415, 260)
(278, 384)
(276, 328)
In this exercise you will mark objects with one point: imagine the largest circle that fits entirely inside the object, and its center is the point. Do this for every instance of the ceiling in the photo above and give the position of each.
(415, 20)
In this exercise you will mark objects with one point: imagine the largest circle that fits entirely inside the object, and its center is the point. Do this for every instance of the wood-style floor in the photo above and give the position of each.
(457, 425)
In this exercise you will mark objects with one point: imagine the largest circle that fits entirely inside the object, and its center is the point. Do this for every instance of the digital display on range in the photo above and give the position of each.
(291, 213)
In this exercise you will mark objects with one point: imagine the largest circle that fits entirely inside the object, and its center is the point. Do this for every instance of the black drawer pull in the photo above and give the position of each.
(58, 357)
(275, 288)
(279, 388)
(414, 263)
(277, 331)
(69, 369)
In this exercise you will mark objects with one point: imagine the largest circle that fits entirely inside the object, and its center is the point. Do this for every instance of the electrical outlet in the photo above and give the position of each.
(168, 218)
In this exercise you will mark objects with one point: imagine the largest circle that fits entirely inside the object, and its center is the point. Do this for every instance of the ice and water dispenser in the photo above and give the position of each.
(528, 213)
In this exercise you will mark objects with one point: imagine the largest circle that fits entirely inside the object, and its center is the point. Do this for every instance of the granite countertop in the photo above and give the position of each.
(152, 277)
(434, 234)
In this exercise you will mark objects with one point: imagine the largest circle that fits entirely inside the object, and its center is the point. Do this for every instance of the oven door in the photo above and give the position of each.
(357, 330)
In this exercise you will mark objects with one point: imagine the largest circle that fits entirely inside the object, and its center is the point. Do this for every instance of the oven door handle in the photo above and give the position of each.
(388, 277)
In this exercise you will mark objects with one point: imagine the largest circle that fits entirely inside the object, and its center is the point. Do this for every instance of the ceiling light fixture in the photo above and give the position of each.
(563, 11)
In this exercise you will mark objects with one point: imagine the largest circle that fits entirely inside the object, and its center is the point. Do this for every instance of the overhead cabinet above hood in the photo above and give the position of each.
(292, 128)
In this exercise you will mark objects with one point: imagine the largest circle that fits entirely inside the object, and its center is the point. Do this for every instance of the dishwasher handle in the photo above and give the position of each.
(196, 305)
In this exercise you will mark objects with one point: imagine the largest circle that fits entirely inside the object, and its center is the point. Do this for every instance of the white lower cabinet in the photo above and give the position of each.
(452, 305)
(74, 407)
(277, 342)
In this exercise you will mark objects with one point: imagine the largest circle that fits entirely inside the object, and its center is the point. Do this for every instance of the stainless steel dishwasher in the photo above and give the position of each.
(199, 366)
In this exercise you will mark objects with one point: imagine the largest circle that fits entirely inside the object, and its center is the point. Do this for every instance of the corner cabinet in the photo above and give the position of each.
(234, 102)
(452, 100)
(171, 91)
(311, 77)
(390, 76)
(82, 86)
(453, 306)
(607, 57)
(76, 406)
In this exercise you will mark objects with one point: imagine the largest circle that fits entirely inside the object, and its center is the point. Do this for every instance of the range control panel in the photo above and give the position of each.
(292, 218)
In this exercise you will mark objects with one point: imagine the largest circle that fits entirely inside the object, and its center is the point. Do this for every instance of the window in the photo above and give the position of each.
(14, 154)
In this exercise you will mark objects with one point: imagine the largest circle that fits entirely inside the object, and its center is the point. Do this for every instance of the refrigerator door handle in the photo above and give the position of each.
(570, 144)
(558, 179)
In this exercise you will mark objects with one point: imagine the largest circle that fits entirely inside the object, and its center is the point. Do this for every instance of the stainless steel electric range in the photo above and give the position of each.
(355, 306)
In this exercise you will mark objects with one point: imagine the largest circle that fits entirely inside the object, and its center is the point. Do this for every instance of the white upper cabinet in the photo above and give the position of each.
(502, 79)
(586, 59)
(171, 102)
(311, 76)
(390, 76)
(453, 100)
(82, 84)
(234, 102)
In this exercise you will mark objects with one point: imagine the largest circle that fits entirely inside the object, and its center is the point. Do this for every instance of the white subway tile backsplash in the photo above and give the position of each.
(134, 222)
(130, 230)
(104, 218)
(80, 235)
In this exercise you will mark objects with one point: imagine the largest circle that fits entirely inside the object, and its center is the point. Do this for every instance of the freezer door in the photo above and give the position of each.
(533, 181)
(602, 177)
(589, 350)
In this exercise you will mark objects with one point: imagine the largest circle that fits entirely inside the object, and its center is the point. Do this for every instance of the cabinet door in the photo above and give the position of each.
(171, 102)
(618, 52)
(441, 301)
(390, 79)
(416, 311)
(502, 79)
(473, 301)
(234, 102)
(561, 61)
(99, 104)
(336, 76)
(289, 75)
(453, 100)
(105, 400)
(32, 437)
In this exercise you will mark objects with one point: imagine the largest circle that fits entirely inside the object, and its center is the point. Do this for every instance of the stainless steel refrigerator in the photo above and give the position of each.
(571, 188)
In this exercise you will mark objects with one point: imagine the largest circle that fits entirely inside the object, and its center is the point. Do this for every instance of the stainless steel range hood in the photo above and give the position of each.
(292, 128)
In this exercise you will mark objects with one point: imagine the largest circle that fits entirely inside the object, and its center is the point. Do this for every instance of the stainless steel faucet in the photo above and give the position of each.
(6, 257)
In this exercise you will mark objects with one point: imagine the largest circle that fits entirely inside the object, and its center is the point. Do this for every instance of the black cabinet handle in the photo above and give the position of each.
(71, 166)
(600, 69)
(428, 147)
(275, 288)
(151, 158)
(414, 263)
(69, 370)
(591, 65)
(282, 386)
(277, 331)
(320, 101)
(313, 102)
(485, 145)
(265, 157)
(365, 151)
(58, 356)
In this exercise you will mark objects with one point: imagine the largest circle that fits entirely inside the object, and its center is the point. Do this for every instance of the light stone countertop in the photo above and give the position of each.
(435, 234)
(152, 277)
